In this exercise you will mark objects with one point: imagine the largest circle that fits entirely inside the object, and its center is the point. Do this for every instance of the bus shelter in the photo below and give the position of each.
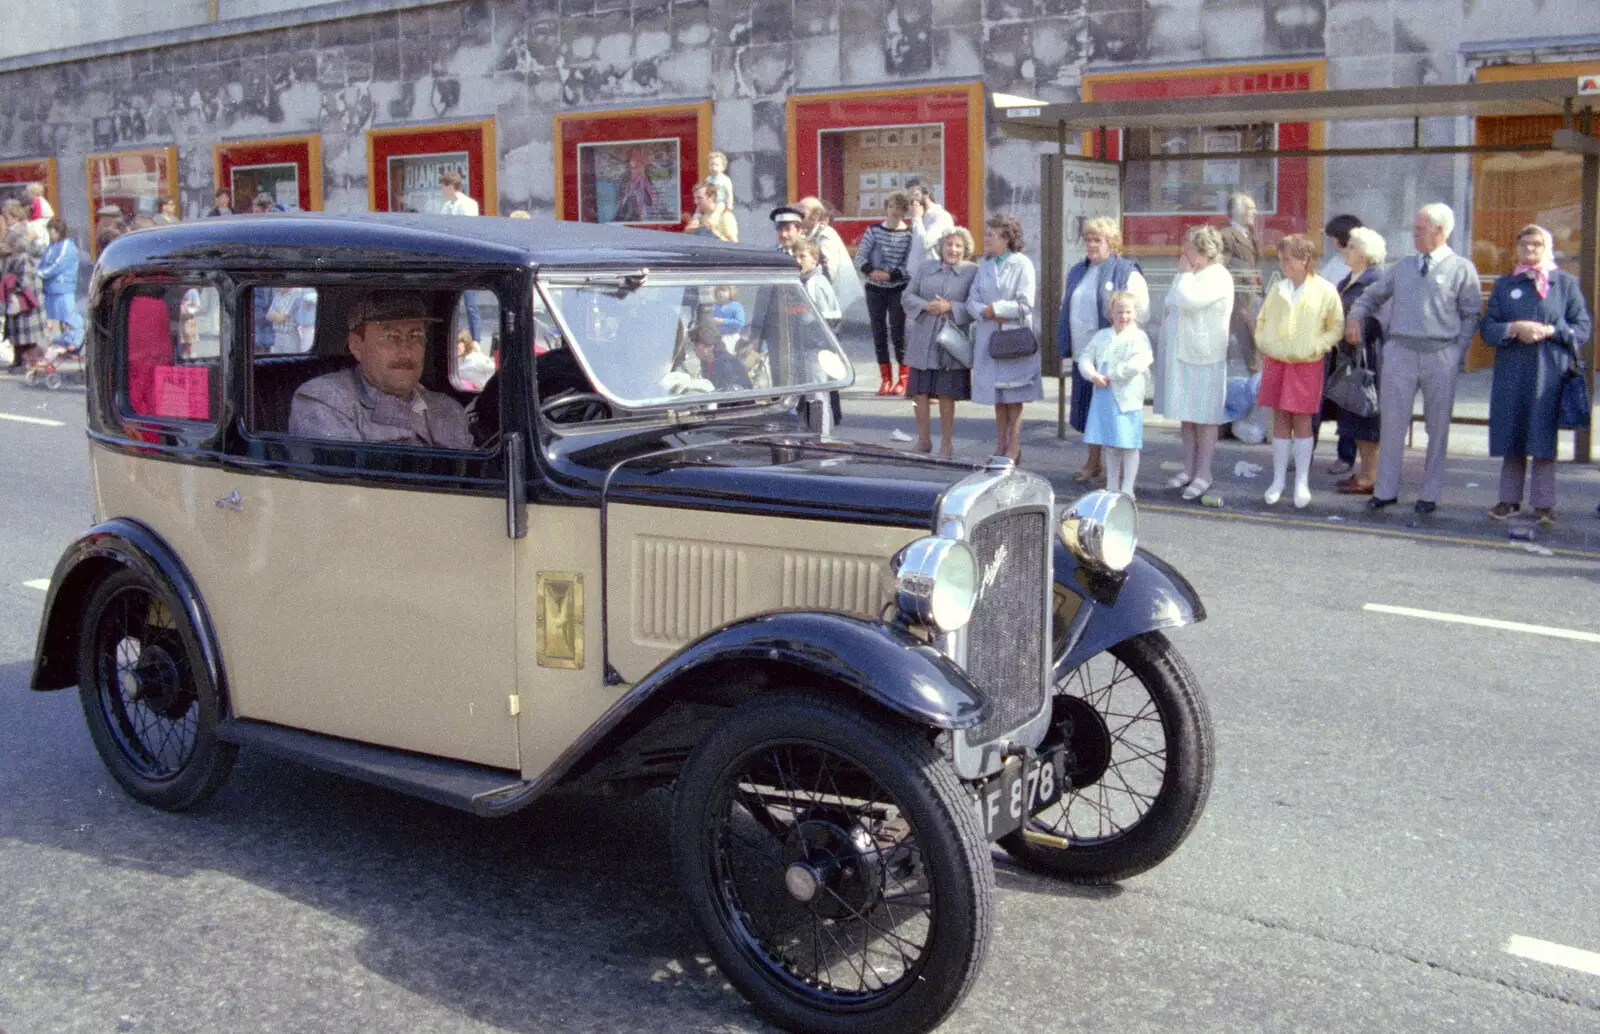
(1063, 175)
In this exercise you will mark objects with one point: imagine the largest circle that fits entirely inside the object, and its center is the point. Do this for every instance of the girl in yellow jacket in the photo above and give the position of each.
(1300, 321)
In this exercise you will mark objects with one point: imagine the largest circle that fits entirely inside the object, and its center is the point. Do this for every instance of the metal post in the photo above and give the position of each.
(1589, 264)
(1051, 275)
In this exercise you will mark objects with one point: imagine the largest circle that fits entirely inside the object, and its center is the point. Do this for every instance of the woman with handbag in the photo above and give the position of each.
(1364, 252)
(1005, 350)
(938, 349)
(22, 294)
(1536, 322)
(1194, 355)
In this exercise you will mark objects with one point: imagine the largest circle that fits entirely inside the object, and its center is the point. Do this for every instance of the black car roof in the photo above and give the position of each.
(370, 240)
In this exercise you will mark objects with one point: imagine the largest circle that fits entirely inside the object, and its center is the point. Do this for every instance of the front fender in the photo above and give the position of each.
(119, 542)
(1148, 596)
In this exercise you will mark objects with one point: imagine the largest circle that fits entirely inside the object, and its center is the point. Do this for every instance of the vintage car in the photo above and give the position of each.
(604, 552)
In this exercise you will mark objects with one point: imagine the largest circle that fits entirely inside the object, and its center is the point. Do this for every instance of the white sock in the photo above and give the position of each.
(1130, 469)
(1112, 458)
(1280, 469)
(1302, 470)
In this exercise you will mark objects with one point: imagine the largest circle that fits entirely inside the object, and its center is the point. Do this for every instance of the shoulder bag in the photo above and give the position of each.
(1013, 343)
(954, 341)
(1353, 386)
(1572, 414)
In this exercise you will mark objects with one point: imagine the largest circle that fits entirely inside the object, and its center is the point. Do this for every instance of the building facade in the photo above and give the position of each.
(609, 109)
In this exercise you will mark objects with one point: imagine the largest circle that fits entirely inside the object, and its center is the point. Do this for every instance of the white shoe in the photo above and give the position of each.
(1302, 496)
(1273, 493)
(1178, 480)
(1196, 489)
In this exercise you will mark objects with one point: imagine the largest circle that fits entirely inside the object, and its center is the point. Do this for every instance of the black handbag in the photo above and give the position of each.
(1573, 412)
(1353, 386)
(1015, 343)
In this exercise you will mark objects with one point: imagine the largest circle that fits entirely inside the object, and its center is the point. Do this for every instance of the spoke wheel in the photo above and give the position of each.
(833, 864)
(1139, 760)
(151, 709)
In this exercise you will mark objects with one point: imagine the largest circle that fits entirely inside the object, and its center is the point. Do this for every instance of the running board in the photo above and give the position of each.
(478, 789)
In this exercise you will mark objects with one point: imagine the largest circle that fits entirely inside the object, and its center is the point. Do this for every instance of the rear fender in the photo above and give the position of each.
(1112, 607)
(108, 547)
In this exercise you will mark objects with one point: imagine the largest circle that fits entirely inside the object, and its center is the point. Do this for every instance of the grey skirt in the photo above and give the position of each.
(949, 384)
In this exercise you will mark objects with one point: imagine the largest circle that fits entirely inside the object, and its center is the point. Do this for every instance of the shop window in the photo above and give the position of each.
(172, 349)
(862, 167)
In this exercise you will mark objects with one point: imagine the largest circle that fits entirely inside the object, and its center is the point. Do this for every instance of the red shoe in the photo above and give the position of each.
(900, 385)
(886, 378)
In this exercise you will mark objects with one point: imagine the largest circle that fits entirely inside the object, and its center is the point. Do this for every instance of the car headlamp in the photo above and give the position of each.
(1103, 529)
(936, 583)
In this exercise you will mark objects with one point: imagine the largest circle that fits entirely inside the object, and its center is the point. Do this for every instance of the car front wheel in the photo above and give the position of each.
(1139, 757)
(150, 704)
(833, 863)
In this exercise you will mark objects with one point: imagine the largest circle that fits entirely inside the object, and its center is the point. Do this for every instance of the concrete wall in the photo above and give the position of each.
(523, 60)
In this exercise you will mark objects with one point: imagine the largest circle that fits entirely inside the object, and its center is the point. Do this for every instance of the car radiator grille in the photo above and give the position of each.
(1007, 635)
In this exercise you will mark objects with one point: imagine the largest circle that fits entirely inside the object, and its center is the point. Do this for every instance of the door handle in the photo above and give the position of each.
(231, 501)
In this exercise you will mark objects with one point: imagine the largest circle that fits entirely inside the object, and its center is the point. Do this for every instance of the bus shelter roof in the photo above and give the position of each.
(1033, 120)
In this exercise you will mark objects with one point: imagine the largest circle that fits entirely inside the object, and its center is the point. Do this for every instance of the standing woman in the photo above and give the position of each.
(1003, 296)
(58, 270)
(1535, 320)
(937, 299)
(1086, 309)
(22, 301)
(1364, 252)
(883, 255)
(1241, 249)
(1194, 355)
(1300, 320)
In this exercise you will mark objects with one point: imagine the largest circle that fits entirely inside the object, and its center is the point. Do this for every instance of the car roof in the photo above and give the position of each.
(374, 240)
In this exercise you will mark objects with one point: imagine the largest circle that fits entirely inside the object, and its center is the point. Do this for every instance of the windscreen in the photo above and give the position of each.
(649, 342)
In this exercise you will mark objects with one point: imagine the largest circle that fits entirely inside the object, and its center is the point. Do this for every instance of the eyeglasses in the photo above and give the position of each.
(417, 336)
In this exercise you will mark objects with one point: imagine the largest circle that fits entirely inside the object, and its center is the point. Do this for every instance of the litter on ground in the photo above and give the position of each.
(1246, 469)
(898, 435)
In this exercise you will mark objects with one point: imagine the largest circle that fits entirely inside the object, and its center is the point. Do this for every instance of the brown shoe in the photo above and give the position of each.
(1546, 516)
(1350, 486)
(1503, 511)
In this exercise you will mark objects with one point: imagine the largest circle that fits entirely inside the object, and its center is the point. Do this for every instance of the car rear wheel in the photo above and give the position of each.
(1138, 766)
(149, 701)
(833, 863)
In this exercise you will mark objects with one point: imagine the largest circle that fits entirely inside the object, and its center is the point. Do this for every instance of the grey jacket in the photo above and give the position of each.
(342, 406)
(1428, 315)
(932, 280)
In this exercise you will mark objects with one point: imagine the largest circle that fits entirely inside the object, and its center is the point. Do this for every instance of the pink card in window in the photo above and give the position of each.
(183, 392)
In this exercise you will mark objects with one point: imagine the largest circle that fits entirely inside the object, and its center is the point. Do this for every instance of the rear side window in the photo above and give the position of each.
(172, 348)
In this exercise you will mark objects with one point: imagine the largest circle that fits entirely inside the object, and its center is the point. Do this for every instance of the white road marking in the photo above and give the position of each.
(1463, 619)
(1554, 954)
(41, 421)
(42, 584)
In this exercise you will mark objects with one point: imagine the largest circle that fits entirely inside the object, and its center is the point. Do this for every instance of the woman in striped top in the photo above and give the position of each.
(883, 255)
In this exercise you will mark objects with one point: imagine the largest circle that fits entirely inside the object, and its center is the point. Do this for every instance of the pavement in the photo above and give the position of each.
(1471, 485)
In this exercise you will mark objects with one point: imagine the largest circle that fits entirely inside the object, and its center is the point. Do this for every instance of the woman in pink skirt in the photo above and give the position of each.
(1300, 321)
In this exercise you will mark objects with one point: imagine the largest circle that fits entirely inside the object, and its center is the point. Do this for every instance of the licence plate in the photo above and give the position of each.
(1018, 791)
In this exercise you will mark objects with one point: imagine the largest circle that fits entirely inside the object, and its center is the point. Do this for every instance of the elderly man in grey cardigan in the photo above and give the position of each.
(1437, 302)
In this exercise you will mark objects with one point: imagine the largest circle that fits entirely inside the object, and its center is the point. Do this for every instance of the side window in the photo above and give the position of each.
(475, 341)
(172, 347)
(283, 320)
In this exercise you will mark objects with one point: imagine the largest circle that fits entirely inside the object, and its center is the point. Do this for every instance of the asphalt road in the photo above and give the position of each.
(1396, 799)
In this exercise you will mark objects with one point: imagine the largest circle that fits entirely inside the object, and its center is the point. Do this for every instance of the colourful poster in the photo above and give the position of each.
(630, 181)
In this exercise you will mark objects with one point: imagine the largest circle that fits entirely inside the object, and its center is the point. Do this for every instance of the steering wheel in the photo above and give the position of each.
(576, 407)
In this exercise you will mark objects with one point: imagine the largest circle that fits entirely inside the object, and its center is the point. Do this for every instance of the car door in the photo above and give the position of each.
(375, 596)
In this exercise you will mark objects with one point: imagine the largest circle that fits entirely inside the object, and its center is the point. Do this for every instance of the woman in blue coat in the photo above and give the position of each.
(59, 271)
(1535, 319)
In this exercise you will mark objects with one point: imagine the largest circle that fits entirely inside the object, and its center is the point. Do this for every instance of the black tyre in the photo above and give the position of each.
(149, 701)
(833, 863)
(1139, 763)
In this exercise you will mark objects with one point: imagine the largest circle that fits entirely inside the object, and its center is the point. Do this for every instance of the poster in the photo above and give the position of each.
(414, 180)
(633, 182)
(875, 162)
(183, 392)
(280, 181)
(1089, 190)
(1222, 172)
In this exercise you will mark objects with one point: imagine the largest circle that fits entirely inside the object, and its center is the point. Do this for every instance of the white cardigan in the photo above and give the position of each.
(1126, 357)
(1199, 307)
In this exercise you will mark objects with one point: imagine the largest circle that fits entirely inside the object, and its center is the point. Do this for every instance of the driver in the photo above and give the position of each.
(381, 399)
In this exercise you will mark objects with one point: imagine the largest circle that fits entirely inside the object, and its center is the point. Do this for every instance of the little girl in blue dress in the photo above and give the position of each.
(1117, 361)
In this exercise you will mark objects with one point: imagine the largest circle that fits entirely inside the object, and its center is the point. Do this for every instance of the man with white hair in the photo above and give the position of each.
(1437, 302)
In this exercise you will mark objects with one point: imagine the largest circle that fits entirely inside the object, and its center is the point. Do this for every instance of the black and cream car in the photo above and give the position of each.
(854, 668)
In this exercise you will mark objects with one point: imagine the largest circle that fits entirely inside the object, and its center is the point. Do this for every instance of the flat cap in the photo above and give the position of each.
(383, 306)
(786, 214)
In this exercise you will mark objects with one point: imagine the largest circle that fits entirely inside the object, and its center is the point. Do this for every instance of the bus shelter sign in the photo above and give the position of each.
(1089, 190)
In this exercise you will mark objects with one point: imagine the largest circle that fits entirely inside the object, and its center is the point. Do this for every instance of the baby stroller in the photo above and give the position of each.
(62, 364)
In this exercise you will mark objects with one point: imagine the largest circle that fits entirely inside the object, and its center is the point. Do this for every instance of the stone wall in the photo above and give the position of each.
(523, 61)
